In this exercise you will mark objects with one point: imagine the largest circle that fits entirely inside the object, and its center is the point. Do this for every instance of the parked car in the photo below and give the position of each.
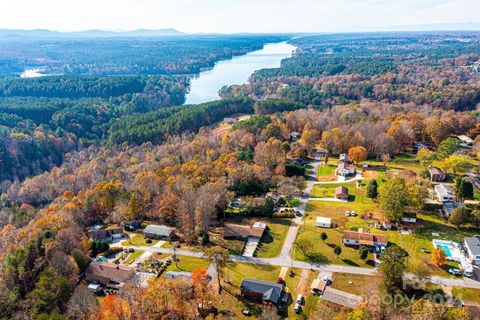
(298, 214)
(297, 308)
(353, 214)
(299, 298)
(280, 280)
(455, 272)
(347, 213)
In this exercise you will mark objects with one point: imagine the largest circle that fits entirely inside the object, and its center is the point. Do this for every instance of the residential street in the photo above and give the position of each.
(285, 259)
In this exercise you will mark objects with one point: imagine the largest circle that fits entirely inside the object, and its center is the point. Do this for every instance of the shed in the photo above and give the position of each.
(323, 222)
(318, 286)
(341, 298)
(341, 192)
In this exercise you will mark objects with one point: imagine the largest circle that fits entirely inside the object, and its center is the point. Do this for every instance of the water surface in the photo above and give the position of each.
(204, 87)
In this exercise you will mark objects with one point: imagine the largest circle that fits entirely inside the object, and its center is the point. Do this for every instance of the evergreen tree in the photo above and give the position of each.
(372, 189)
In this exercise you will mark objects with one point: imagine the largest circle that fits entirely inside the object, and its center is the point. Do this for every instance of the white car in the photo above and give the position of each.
(347, 213)
(297, 308)
(299, 299)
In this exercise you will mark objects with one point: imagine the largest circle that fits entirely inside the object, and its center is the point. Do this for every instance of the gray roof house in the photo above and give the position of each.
(154, 231)
(268, 292)
(171, 275)
(444, 193)
(341, 298)
(473, 248)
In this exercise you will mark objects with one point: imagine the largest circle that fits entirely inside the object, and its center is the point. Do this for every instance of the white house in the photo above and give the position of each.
(444, 193)
(344, 169)
(473, 248)
(409, 217)
(343, 157)
(323, 222)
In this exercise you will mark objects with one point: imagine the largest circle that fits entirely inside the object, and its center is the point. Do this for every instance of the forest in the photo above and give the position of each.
(122, 56)
(76, 151)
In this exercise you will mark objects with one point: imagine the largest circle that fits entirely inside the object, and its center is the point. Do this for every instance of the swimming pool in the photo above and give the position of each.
(446, 249)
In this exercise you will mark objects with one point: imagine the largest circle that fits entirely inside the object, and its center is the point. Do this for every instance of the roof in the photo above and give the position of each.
(178, 275)
(238, 230)
(275, 196)
(365, 238)
(259, 225)
(114, 272)
(162, 230)
(435, 170)
(271, 291)
(443, 190)
(324, 220)
(473, 244)
(465, 138)
(409, 215)
(319, 284)
(341, 190)
(344, 165)
(342, 298)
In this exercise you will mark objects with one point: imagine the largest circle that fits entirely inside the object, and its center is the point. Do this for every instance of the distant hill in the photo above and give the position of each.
(41, 33)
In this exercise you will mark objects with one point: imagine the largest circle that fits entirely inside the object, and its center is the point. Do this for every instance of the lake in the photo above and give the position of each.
(205, 86)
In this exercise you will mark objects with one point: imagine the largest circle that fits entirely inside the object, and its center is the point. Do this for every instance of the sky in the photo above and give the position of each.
(233, 16)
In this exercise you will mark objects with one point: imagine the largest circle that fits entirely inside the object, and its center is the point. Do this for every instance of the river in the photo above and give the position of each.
(205, 86)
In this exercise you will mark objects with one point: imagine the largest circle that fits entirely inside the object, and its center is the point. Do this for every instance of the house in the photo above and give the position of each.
(108, 274)
(419, 145)
(354, 238)
(259, 290)
(409, 217)
(465, 140)
(275, 196)
(341, 298)
(171, 275)
(153, 231)
(344, 169)
(108, 234)
(230, 120)
(295, 135)
(436, 174)
(323, 222)
(472, 245)
(444, 193)
(448, 208)
(343, 158)
(238, 231)
(341, 193)
(318, 286)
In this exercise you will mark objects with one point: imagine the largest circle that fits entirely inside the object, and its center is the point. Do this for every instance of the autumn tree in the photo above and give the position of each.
(459, 216)
(357, 154)
(438, 257)
(425, 157)
(134, 208)
(218, 257)
(392, 267)
(309, 138)
(394, 198)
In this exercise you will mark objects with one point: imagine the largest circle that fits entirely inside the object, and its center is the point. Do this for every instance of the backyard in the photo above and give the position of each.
(139, 241)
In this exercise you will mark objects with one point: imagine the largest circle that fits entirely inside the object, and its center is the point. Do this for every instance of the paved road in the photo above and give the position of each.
(297, 221)
(285, 260)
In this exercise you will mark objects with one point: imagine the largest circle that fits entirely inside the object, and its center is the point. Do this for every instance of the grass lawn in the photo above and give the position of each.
(273, 238)
(133, 256)
(270, 244)
(235, 272)
(188, 264)
(355, 284)
(466, 294)
(326, 172)
(328, 190)
(138, 241)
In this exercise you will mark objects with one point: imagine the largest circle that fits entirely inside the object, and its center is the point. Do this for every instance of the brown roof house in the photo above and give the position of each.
(108, 233)
(353, 238)
(341, 193)
(109, 274)
(436, 174)
(238, 231)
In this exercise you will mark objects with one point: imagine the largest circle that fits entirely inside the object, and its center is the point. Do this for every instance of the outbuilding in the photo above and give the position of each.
(323, 222)
(153, 231)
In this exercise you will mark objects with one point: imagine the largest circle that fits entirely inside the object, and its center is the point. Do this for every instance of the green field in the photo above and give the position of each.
(138, 241)
(188, 264)
(273, 239)
(133, 256)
